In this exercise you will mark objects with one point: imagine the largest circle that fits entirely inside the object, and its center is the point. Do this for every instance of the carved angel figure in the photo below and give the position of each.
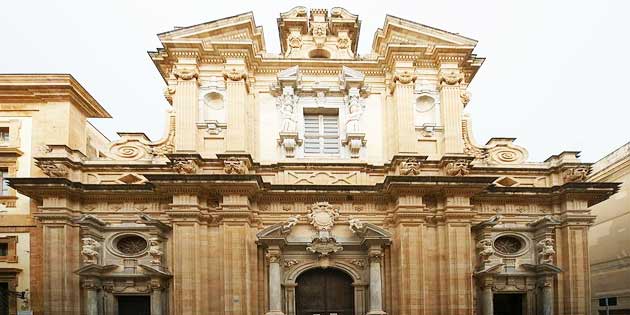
(155, 251)
(545, 251)
(354, 115)
(291, 222)
(486, 250)
(89, 250)
(356, 226)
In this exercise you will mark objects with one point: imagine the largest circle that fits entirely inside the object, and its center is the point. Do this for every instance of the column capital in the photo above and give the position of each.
(273, 254)
(450, 77)
(234, 74)
(186, 74)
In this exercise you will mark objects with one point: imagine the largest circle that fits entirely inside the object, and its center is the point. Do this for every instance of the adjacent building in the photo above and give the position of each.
(609, 237)
(310, 181)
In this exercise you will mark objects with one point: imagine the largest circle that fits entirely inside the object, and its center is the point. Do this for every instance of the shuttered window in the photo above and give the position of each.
(321, 134)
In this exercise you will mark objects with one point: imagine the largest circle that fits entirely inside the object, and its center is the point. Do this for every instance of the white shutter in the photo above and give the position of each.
(321, 133)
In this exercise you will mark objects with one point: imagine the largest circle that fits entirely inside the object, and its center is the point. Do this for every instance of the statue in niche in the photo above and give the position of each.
(354, 115)
(287, 110)
(89, 250)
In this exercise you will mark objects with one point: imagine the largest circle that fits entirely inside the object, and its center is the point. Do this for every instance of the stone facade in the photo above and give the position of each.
(609, 236)
(312, 159)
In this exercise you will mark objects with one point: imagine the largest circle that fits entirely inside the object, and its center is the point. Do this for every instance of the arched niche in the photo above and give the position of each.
(213, 106)
(425, 110)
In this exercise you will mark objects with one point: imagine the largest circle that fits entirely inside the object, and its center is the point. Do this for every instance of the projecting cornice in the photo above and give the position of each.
(42, 88)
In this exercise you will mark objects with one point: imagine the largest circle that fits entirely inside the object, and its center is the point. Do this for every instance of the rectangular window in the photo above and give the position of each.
(4, 135)
(4, 249)
(321, 134)
(610, 301)
(4, 186)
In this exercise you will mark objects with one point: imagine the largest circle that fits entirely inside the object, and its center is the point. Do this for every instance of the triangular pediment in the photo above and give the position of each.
(238, 28)
(400, 31)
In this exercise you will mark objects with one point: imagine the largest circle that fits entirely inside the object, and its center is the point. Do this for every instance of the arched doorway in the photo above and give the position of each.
(325, 292)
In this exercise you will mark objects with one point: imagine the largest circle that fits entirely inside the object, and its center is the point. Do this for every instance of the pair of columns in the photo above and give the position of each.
(275, 282)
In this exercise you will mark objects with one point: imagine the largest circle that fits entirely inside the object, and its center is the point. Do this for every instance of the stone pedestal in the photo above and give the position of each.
(289, 141)
(354, 141)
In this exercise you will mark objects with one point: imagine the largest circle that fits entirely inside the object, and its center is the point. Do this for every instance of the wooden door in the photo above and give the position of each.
(324, 292)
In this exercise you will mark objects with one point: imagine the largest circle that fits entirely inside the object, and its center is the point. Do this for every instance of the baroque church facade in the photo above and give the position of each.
(314, 181)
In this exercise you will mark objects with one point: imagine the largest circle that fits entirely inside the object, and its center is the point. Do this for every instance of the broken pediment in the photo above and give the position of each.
(400, 31)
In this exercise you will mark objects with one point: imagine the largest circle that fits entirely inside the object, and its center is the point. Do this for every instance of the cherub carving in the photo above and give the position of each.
(485, 249)
(155, 251)
(355, 225)
(89, 250)
(545, 251)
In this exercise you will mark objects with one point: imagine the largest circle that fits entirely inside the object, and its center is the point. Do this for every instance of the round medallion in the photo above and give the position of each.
(508, 244)
(131, 244)
(322, 219)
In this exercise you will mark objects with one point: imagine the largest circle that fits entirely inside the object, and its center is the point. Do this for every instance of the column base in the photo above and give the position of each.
(274, 313)
(376, 313)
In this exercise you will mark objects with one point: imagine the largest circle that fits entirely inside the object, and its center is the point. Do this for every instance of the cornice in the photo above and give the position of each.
(34, 88)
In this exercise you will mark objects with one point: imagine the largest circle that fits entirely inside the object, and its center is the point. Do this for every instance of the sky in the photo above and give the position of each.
(556, 75)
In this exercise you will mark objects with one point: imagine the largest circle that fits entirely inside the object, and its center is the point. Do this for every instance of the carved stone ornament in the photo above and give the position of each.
(288, 263)
(360, 263)
(457, 168)
(53, 169)
(185, 166)
(323, 216)
(273, 257)
(576, 174)
(404, 77)
(545, 251)
(168, 94)
(289, 141)
(356, 225)
(343, 42)
(290, 223)
(324, 246)
(234, 75)
(186, 74)
(319, 29)
(90, 250)
(410, 166)
(294, 40)
(451, 77)
(155, 251)
(485, 249)
(234, 166)
(465, 97)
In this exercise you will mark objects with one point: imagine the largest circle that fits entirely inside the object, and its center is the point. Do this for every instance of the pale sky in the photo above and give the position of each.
(556, 75)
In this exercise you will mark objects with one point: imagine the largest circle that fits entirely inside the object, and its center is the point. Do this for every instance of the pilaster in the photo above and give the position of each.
(450, 78)
(235, 75)
(185, 103)
(402, 90)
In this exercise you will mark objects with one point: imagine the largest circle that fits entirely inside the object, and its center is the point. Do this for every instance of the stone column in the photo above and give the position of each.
(275, 281)
(403, 86)
(156, 297)
(376, 294)
(185, 103)
(451, 108)
(547, 296)
(91, 296)
(236, 87)
(487, 303)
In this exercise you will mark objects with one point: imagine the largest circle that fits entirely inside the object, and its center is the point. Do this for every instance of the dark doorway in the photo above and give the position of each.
(4, 298)
(134, 305)
(324, 292)
(508, 304)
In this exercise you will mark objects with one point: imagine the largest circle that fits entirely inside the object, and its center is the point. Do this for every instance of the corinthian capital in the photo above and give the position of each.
(450, 77)
(234, 75)
(186, 74)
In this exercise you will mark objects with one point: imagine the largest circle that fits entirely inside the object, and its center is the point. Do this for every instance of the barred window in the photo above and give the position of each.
(321, 134)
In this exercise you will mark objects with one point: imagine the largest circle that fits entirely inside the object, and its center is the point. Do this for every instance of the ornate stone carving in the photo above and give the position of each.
(273, 256)
(288, 263)
(155, 251)
(360, 263)
(545, 251)
(168, 94)
(323, 216)
(450, 77)
(324, 246)
(319, 29)
(186, 74)
(355, 111)
(90, 250)
(485, 249)
(375, 255)
(294, 40)
(457, 168)
(506, 154)
(465, 97)
(404, 77)
(287, 104)
(410, 166)
(343, 42)
(183, 166)
(576, 174)
(234, 166)
(356, 226)
(290, 223)
(52, 168)
(234, 75)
